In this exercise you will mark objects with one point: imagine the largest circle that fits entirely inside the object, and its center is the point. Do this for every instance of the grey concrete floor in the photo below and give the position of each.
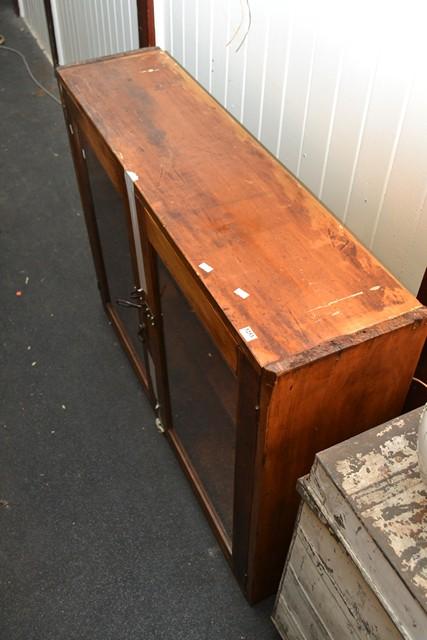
(101, 536)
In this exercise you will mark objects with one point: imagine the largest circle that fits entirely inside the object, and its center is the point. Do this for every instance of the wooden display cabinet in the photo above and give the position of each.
(260, 328)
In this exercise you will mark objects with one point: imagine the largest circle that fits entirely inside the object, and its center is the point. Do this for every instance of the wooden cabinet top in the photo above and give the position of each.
(225, 201)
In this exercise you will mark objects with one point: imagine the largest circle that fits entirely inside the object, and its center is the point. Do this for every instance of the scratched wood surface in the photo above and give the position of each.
(369, 491)
(225, 201)
(336, 337)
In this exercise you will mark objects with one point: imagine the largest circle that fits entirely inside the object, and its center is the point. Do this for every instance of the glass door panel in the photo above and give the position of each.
(203, 397)
(111, 219)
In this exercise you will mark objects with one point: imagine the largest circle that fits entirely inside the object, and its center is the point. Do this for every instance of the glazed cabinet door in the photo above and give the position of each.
(116, 244)
(198, 395)
(203, 397)
(208, 393)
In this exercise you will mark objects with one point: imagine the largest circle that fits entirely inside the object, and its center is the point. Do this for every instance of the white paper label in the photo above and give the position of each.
(205, 267)
(248, 334)
(132, 175)
(241, 293)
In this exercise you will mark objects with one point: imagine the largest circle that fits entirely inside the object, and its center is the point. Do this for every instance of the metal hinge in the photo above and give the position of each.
(149, 316)
(158, 420)
(141, 295)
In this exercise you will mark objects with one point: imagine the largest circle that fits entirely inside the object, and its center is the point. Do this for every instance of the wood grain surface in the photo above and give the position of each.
(313, 407)
(226, 201)
(335, 338)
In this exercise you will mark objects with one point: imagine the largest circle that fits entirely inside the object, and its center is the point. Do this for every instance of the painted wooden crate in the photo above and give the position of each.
(357, 566)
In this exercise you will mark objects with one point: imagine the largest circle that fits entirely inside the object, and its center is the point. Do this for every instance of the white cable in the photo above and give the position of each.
(30, 73)
(420, 381)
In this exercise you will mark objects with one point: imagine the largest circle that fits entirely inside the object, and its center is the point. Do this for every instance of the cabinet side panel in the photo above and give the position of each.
(246, 445)
(312, 408)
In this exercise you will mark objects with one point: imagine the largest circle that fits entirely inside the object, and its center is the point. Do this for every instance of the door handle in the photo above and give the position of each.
(128, 303)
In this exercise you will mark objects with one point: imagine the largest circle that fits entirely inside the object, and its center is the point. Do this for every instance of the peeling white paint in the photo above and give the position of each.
(385, 430)
(360, 470)
(406, 536)
(388, 492)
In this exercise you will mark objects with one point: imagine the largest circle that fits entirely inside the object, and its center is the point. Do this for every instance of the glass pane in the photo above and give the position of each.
(152, 369)
(112, 227)
(203, 394)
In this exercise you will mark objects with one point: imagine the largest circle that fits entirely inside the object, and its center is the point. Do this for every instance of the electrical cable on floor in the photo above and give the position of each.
(30, 73)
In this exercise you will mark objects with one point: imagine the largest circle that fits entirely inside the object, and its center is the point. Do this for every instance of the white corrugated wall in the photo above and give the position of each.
(337, 90)
(87, 29)
(84, 29)
(32, 11)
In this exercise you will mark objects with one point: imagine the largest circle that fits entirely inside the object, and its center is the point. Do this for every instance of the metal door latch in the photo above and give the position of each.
(128, 303)
(139, 301)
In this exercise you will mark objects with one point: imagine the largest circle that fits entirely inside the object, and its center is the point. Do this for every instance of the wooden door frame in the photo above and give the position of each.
(146, 30)
(51, 32)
